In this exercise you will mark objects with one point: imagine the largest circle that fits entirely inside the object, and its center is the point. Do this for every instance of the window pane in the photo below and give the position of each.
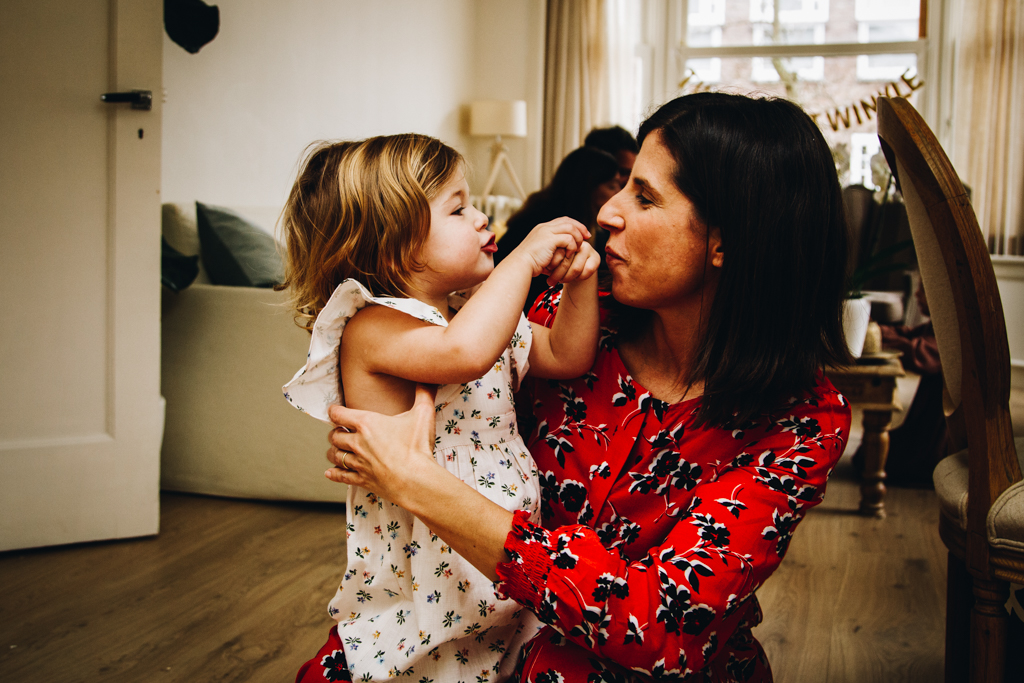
(839, 21)
(837, 98)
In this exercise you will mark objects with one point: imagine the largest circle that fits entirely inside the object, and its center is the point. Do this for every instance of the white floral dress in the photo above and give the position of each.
(407, 605)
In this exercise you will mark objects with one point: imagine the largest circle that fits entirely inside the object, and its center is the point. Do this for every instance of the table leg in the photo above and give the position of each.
(876, 449)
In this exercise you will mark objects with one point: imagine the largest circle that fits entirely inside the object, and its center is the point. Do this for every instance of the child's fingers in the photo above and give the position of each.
(564, 247)
(569, 226)
(556, 258)
(558, 273)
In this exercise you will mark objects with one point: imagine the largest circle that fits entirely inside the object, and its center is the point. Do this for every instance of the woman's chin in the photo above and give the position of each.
(620, 292)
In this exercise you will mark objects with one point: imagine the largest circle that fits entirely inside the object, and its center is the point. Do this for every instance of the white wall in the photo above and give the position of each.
(1010, 278)
(280, 75)
(509, 65)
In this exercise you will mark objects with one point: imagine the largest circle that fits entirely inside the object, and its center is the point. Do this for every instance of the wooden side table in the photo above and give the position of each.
(872, 387)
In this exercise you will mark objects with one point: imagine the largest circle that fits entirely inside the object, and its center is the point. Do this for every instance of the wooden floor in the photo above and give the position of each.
(859, 599)
(237, 591)
(229, 591)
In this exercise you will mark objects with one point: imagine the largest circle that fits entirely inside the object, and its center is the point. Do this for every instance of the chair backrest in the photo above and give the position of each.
(961, 289)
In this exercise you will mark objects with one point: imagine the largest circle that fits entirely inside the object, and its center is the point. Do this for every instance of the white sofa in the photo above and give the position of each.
(226, 352)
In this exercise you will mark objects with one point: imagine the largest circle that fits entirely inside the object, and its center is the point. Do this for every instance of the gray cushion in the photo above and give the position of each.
(234, 251)
(1006, 518)
(177, 270)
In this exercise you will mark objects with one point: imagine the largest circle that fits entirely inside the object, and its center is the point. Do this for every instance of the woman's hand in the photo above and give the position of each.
(382, 453)
(393, 457)
(582, 266)
(551, 245)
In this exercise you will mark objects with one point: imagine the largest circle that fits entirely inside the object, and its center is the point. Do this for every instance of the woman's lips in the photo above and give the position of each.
(610, 257)
(491, 247)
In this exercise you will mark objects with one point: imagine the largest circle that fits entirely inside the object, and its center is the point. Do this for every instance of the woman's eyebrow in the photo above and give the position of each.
(647, 187)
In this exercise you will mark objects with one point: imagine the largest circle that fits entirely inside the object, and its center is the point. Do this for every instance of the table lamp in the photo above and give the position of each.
(497, 118)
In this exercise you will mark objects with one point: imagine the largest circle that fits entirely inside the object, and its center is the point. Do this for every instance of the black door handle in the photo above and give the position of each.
(139, 99)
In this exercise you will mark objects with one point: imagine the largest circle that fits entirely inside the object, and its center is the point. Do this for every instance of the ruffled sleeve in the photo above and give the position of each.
(316, 386)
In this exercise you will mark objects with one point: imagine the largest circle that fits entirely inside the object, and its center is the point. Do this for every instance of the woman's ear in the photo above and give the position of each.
(715, 247)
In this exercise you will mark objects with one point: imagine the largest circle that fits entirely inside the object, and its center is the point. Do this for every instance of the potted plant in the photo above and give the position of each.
(856, 308)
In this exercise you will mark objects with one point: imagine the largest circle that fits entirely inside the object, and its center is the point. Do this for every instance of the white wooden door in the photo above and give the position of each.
(80, 410)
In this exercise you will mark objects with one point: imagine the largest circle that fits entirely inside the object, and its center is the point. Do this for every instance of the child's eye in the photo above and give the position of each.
(458, 211)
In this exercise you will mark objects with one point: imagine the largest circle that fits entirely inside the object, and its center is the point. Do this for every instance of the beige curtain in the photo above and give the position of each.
(574, 80)
(988, 128)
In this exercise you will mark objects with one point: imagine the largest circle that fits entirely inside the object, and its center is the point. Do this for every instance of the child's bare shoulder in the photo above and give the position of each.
(371, 323)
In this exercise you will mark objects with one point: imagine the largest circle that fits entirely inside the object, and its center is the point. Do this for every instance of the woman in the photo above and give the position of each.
(583, 182)
(618, 142)
(675, 471)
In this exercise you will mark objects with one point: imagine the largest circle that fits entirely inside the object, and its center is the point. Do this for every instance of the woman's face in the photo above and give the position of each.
(659, 254)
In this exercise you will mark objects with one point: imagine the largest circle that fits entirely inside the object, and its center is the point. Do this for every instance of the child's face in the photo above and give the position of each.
(459, 251)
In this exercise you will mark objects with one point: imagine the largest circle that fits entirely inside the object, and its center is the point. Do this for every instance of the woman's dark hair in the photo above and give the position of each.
(759, 171)
(613, 140)
(571, 190)
(570, 193)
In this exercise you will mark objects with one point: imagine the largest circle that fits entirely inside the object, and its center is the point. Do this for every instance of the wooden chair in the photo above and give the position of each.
(980, 491)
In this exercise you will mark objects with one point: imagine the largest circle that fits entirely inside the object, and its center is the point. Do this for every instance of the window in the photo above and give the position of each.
(769, 70)
(833, 57)
(885, 67)
(704, 29)
(790, 11)
(709, 69)
(863, 148)
(706, 13)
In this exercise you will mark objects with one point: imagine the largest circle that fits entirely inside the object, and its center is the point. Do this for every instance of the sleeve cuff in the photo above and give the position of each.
(524, 577)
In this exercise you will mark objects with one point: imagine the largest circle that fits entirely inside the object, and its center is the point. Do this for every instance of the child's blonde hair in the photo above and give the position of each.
(361, 210)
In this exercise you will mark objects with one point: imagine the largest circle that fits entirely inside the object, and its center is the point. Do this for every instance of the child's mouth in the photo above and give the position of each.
(491, 246)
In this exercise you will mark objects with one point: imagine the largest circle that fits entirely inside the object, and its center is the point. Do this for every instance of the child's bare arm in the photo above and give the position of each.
(393, 343)
(568, 349)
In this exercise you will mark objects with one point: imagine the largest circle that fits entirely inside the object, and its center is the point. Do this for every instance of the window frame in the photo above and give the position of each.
(664, 52)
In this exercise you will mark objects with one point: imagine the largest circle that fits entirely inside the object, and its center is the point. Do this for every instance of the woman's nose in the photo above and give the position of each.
(609, 217)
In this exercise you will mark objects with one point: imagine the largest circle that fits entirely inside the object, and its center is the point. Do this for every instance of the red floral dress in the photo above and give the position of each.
(657, 534)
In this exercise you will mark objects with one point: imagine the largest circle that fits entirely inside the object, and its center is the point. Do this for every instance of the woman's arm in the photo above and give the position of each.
(392, 343)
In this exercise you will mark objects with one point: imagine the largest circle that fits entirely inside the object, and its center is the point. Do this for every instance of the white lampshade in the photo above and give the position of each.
(498, 117)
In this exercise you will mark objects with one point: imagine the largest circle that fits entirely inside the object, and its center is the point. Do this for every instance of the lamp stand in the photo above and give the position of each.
(499, 158)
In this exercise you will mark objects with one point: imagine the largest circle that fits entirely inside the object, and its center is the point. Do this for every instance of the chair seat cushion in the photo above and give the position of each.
(1006, 518)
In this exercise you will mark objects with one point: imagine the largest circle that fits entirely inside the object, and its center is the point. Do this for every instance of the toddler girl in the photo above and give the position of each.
(384, 246)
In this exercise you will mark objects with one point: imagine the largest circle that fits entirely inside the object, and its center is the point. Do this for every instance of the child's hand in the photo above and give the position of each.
(552, 245)
(581, 266)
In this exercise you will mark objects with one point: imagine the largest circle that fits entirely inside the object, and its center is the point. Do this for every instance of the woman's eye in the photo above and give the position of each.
(642, 200)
